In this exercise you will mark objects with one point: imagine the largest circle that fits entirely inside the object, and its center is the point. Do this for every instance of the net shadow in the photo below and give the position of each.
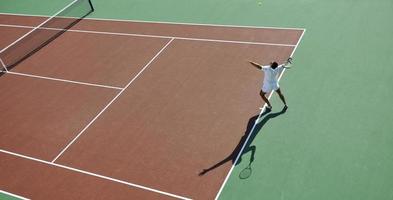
(46, 33)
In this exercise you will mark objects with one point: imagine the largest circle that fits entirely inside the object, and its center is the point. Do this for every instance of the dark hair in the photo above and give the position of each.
(274, 65)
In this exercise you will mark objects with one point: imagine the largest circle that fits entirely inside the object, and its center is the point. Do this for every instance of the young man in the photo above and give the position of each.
(270, 81)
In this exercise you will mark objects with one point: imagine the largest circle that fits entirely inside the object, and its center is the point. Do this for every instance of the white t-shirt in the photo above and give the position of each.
(271, 75)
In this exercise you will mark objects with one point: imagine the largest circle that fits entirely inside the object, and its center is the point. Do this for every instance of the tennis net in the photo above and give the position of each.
(44, 33)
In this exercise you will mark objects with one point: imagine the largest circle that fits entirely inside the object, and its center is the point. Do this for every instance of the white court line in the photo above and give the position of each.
(63, 80)
(252, 130)
(298, 42)
(110, 103)
(35, 28)
(13, 195)
(163, 22)
(2, 63)
(95, 175)
(153, 36)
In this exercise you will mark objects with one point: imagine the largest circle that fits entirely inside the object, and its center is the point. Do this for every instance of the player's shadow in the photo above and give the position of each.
(262, 120)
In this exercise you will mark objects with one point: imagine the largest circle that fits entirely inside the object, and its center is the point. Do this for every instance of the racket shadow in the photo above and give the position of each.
(262, 120)
(246, 172)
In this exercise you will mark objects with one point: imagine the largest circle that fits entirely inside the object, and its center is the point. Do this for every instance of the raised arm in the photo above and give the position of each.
(258, 66)
(288, 63)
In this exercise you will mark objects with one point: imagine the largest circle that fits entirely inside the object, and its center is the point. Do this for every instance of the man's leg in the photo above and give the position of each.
(281, 96)
(265, 99)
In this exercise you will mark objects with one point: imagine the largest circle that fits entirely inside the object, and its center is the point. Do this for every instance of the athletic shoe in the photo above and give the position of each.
(268, 109)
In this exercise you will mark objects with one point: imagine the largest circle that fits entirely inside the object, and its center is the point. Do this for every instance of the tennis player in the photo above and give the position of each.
(270, 81)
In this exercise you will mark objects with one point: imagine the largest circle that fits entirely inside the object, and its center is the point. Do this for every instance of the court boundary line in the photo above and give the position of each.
(93, 174)
(3, 65)
(113, 100)
(13, 195)
(62, 80)
(152, 36)
(255, 123)
(164, 22)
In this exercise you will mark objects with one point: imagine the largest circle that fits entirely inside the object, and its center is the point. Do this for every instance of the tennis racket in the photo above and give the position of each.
(289, 60)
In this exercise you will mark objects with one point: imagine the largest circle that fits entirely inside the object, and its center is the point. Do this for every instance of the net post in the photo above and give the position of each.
(3, 65)
(91, 6)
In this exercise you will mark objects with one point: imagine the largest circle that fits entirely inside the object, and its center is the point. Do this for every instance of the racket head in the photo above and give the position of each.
(246, 172)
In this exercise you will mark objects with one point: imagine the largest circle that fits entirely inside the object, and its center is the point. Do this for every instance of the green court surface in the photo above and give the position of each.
(336, 139)
(4, 196)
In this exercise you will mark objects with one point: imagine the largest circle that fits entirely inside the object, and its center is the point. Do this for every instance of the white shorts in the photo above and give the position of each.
(266, 88)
